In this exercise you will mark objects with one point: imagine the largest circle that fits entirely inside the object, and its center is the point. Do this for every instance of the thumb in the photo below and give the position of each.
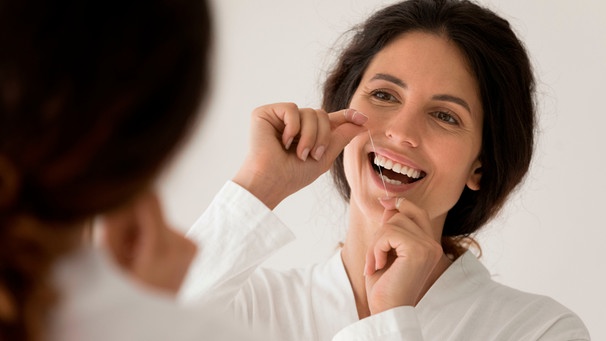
(391, 205)
(346, 124)
(350, 115)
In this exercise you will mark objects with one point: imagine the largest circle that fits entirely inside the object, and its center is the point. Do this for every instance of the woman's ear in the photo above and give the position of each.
(473, 182)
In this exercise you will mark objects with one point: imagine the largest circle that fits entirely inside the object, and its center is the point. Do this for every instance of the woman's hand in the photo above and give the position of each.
(291, 147)
(140, 241)
(400, 262)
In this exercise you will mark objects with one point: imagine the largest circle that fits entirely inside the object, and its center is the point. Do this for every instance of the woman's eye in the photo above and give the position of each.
(383, 96)
(446, 117)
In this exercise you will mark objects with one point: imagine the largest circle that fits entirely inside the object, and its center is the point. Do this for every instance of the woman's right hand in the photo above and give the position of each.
(291, 147)
(404, 259)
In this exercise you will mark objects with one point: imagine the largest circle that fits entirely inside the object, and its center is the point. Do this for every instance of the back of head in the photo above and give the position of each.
(95, 96)
(500, 64)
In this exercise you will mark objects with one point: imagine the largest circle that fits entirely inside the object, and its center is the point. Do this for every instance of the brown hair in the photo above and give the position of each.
(502, 68)
(94, 98)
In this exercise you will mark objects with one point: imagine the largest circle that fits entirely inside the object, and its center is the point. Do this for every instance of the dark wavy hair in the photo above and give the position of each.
(95, 96)
(500, 64)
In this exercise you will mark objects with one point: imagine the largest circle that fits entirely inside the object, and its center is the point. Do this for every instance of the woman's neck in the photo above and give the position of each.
(355, 273)
(353, 255)
(353, 259)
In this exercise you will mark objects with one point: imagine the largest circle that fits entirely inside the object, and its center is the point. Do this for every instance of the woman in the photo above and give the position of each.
(94, 99)
(448, 92)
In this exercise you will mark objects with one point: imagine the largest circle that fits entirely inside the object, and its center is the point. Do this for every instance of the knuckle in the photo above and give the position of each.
(289, 105)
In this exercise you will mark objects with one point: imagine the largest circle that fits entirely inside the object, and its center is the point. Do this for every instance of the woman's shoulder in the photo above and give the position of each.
(99, 302)
(490, 291)
(525, 313)
(468, 290)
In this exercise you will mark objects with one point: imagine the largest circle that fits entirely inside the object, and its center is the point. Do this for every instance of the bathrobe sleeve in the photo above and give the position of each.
(234, 235)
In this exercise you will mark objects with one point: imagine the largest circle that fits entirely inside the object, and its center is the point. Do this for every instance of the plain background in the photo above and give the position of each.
(548, 240)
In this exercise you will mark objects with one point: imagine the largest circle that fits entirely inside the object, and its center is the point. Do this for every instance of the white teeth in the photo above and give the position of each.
(396, 167)
(391, 181)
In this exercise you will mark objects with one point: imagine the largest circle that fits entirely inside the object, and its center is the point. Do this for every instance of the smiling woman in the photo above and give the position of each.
(446, 90)
(417, 125)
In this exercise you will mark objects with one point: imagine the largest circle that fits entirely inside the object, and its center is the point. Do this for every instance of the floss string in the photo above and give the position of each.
(380, 172)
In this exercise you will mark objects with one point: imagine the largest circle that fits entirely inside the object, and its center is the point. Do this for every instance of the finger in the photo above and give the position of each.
(343, 130)
(370, 265)
(308, 134)
(391, 203)
(388, 214)
(413, 212)
(289, 114)
(406, 207)
(381, 249)
(277, 115)
(405, 225)
(323, 135)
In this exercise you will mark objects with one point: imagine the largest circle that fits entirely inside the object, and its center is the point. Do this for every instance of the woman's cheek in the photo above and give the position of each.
(348, 165)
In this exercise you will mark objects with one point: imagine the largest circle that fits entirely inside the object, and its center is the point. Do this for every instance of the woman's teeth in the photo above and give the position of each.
(397, 168)
(391, 181)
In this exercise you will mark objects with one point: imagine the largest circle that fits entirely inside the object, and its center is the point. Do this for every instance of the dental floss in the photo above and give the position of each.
(380, 172)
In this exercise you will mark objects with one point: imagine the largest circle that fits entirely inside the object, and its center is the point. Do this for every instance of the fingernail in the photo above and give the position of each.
(388, 202)
(288, 143)
(319, 152)
(398, 201)
(355, 116)
(305, 154)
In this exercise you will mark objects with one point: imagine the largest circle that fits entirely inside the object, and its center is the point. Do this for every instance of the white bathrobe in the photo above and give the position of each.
(238, 232)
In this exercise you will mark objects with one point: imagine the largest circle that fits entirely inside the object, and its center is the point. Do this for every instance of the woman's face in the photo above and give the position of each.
(425, 117)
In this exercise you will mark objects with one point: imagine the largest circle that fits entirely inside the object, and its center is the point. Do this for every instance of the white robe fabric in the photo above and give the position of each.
(98, 302)
(237, 232)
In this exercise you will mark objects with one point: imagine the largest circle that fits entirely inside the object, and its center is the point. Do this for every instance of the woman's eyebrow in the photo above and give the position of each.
(383, 76)
(441, 97)
(453, 99)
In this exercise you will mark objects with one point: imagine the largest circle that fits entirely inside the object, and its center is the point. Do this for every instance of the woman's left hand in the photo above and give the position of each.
(402, 257)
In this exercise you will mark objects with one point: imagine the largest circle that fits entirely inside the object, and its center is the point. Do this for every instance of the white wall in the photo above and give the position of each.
(546, 241)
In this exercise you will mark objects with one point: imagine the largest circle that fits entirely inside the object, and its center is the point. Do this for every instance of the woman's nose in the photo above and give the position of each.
(405, 127)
